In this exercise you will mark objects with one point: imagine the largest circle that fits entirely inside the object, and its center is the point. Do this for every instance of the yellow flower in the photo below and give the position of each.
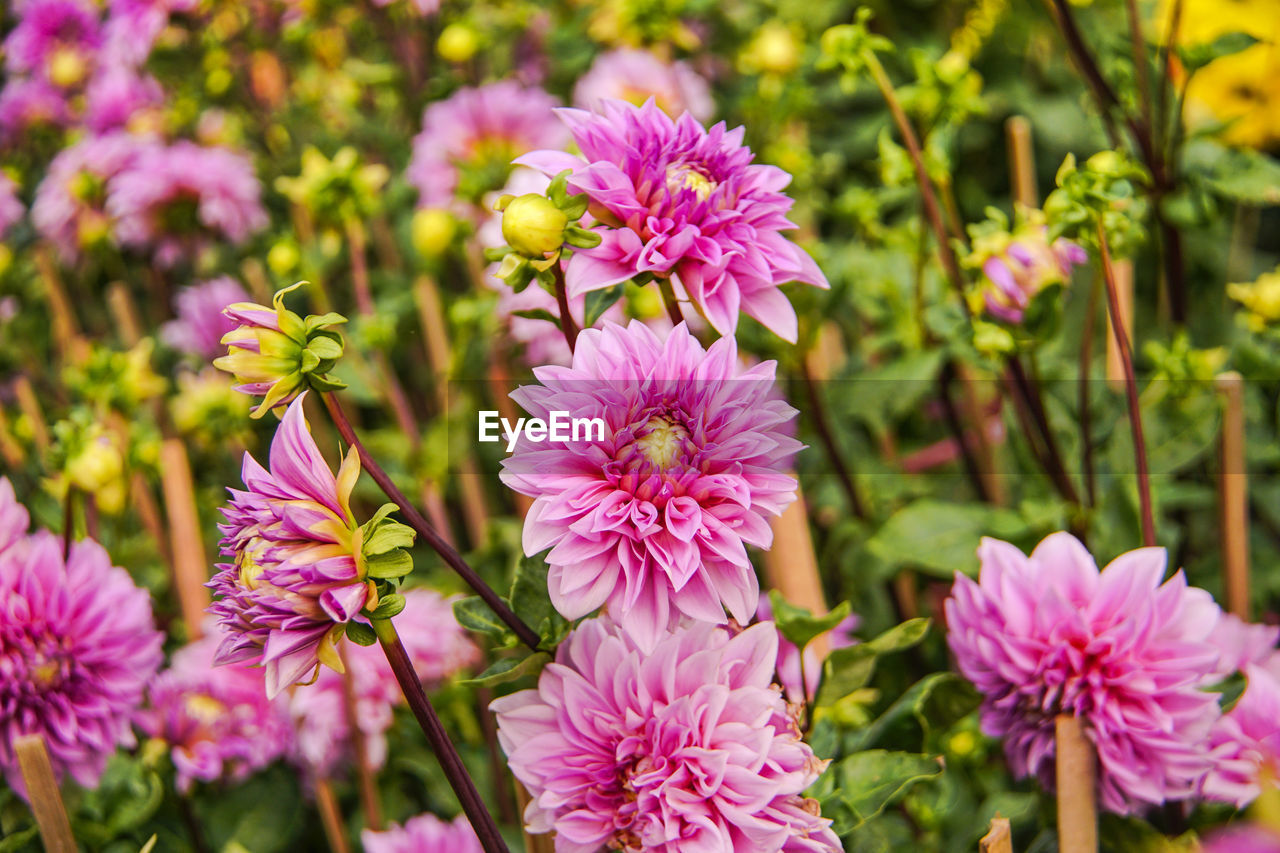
(1261, 299)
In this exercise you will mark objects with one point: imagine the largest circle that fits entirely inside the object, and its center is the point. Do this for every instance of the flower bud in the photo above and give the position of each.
(533, 225)
(458, 43)
(96, 465)
(432, 231)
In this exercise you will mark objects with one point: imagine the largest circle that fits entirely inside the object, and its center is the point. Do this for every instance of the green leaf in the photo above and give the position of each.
(600, 301)
(799, 625)
(388, 606)
(472, 613)
(1197, 56)
(1239, 174)
(325, 347)
(360, 633)
(849, 669)
(942, 538)
(883, 395)
(387, 536)
(932, 704)
(394, 564)
(17, 840)
(868, 782)
(530, 600)
(509, 669)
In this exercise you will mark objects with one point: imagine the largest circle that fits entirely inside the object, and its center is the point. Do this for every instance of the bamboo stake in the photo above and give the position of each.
(1077, 809)
(42, 793)
(1022, 162)
(331, 817)
(791, 564)
(124, 313)
(1234, 492)
(1123, 276)
(9, 447)
(541, 843)
(66, 329)
(30, 406)
(190, 570)
(998, 839)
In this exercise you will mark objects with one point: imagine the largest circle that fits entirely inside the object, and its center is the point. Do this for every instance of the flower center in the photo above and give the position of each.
(204, 708)
(661, 441)
(687, 176)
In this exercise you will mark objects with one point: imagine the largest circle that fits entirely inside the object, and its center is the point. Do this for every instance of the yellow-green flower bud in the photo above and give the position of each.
(433, 231)
(458, 43)
(533, 225)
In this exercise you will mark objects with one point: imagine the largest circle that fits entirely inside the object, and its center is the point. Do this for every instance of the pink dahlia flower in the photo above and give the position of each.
(133, 25)
(115, 95)
(422, 7)
(1016, 267)
(474, 133)
(217, 719)
(13, 517)
(1241, 643)
(295, 580)
(788, 665)
(1245, 742)
(77, 648)
(1049, 634)
(676, 200)
(70, 206)
(201, 322)
(11, 208)
(652, 517)
(48, 29)
(175, 198)
(1249, 838)
(436, 644)
(685, 746)
(636, 76)
(425, 833)
(27, 104)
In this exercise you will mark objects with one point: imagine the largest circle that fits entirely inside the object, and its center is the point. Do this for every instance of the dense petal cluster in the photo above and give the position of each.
(52, 35)
(133, 26)
(116, 95)
(1049, 634)
(1245, 742)
(180, 195)
(687, 746)
(70, 209)
(636, 76)
(678, 201)
(652, 517)
(28, 103)
(438, 648)
(77, 647)
(425, 833)
(201, 322)
(295, 578)
(1015, 267)
(475, 133)
(217, 720)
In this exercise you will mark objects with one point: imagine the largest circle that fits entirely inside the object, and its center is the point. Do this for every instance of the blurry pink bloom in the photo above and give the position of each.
(475, 134)
(653, 518)
(1048, 634)
(1245, 742)
(27, 104)
(173, 199)
(13, 517)
(681, 202)
(1247, 838)
(11, 208)
(1241, 643)
(635, 76)
(47, 28)
(133, 25)
(425, 833)
(684, 746)
(71, 200)
(295, 580)
(424, 8)
(217, 719)
(788, 666)
(1027, 265)
(115, 94)
(201, 322)
(77, 648)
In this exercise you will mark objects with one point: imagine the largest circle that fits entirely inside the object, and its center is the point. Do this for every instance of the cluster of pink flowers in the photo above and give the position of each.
(201, 323)
(636, 76)
(78, 646)
(425, 833)
(1131, 656)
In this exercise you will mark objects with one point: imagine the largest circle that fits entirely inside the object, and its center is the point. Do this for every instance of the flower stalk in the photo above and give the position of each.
(567, 325)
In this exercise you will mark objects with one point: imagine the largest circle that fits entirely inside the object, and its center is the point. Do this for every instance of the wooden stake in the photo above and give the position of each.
(998, 839)
(1123, 272)
(335, 829)
(1077, 808)
(541, 843)
(1234, 496)
(10, 450)
(1022, 162)
(30, 406)
(66, 329)
(190, 569)
(42, 793)
(124, 313)
(791, 564)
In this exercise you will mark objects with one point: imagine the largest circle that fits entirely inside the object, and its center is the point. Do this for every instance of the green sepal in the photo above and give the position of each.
(388, 606)
(360, 633)
(393, 564)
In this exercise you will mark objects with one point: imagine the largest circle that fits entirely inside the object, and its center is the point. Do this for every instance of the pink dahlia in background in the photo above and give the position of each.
(1015, 267)
(13, 517)
(55, 39)
(636, 76)
(77, 648)
(788, 665)
(470, 138)
(425, 833)
(115, 95)
(436, 644)
(70, 209)
(133, 26)
(1249, 838)
(294, 580)
(684, 746)
(28, 104)
(201, 322)
(1245, 742)
(1241, 643)
(652, 518)
(1049, 634)
(179, 197)
(217, 720)
(11, 208)
(678, 201)
(422, 7)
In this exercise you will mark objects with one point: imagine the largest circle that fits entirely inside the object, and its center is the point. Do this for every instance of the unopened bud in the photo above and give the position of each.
(432, 231)
(533, 225)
